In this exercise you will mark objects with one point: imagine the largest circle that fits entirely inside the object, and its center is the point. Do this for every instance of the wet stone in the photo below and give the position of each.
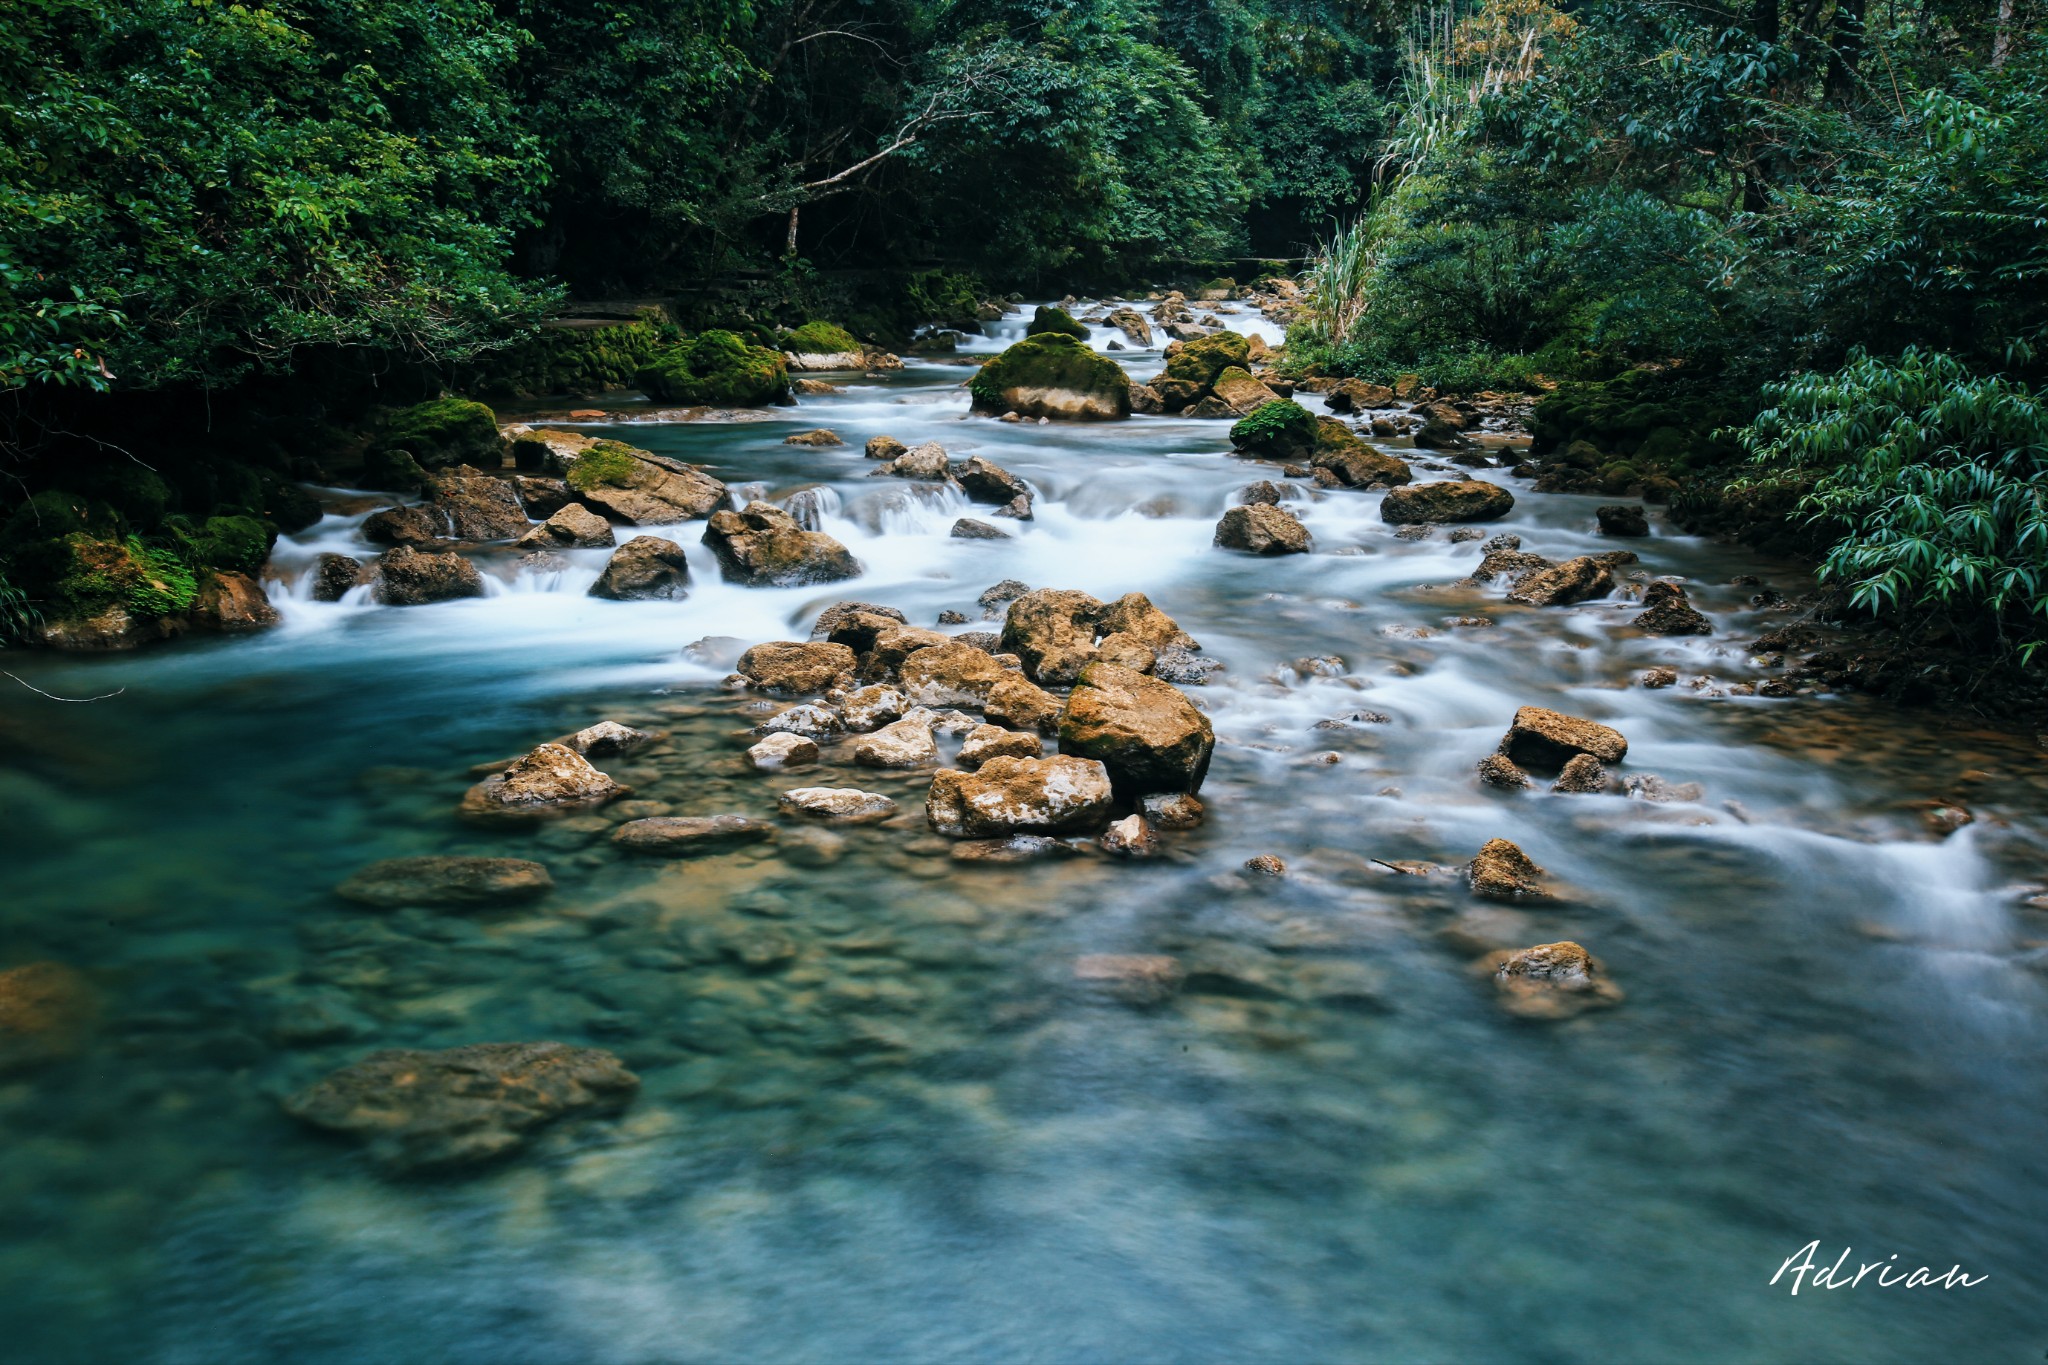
(396, 882)
(685, 835)
(783, 750)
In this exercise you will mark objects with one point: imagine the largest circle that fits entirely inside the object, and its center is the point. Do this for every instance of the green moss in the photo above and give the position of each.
(606, 464)
(1050, 360)
(820, 338)
(238, 544)
(393, 471)
(446, 431)
(1202, 360)
(1049, 319)
(560, 360)
(164, 584)
(1280, 427)
(945, 297)
(716, 369)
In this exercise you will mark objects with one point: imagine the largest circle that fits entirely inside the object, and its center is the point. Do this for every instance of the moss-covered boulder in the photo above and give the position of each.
(392, 471)
(1449, 500)
(574, 355)
(717, 369)
(1355, 463)
(642, 488)
(1048, 318)
(1281, 430)
(447, 431)
(1203, 360)
(1053, 375)
(821, 338)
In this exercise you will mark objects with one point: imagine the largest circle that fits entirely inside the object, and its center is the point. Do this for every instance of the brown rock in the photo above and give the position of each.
(1447, 501)
(1133, 978)
(790, 666)
(407, 578)
(1624, 519)
(468, 1104)
(232, 603)
(1502, 872)
(818, 437)
(1057, 795)
(645, 569)
(951, 674)
(1581, 774)
(1659, 676)
(1354, 464)
(404, 526)
(1053, 632)
(985, 481)
(1498, 770)
(681, 835)
(644, 489)
(840, 624)
(1546, 740)
(1130, 837)
(967, 528)
(446, 881)
(763, 546)
(1265, 865)
(542, 496)
(478, 506)
(1172, 810)
(1018, 703)
(334, 575)
(1668, 612)
(985, 742)
(1134, 615)
(45, 1010)
(840, 805)
(1551, 981)
(1262, 530)
(1126, 651)
(551, 780)
(1575, 580)
(905, 743)
(783, 750)
(572, 528)
(872, 707)
(884, 448)
(1145, 732)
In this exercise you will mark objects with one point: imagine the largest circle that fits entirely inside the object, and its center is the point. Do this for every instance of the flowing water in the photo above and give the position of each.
(903, 1132)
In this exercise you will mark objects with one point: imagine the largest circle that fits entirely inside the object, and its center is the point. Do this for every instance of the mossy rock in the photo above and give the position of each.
(1050, 319)
(1202, 360)
(1583, 455)
(1052, 375)
(559, 360)
(237, 544)
(820, 338)
(717, 369)
(393, 471)
(608, 464)
(1616, 477)
(1665, 445)
(444, 432)
(141, 496)
(145, 580)
(1280, 430)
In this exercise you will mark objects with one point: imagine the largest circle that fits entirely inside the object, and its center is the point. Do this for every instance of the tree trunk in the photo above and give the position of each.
(789, 248)
(2002, 43)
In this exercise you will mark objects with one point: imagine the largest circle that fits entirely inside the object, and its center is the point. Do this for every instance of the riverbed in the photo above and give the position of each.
(879, 1116)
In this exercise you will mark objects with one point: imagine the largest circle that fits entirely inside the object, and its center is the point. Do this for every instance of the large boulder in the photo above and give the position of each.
(1450, 500)
(985, 742)
(1132, 324)
(1053, 631)
(573, 527)
(396, 882)
(1145, 732)
(1052, 375)
(1202, 362)
(1050, 318)
(1622, 519)
(1134, 617)
(1546, 740)
(1356, 395)
(407, 578)
(1058, 795)
(950, 674)
(417, 1109)
(985, 481)
(1261, 529)
(1357, 465)
(335, 575)
(763, 546)
(641, 488)
(790, 666)
(925, 461)
(477, 506)
(645, 569)
(1018, 702)
(716, 369)
(1282, 430)
(1239, 394)
(546, 448)
(552, 779)
(1560, 585)
(231, 603)
(413, 525)
(446, 431)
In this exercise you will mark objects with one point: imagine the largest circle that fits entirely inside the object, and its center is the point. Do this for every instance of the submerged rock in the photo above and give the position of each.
(551, 780)
(1502, 872)
(407, 578)
(763, 546)
(446, 881)
(1146, 733)
(1447, 501)
(1262, 529)
(783, 750)
(677, 835)
(645, 569)
(1551, 981)
(1133, 978)
(1582, 774)
(418, 1109)
(1546, 740)
(791, 666)
(843, 805)
(46, 1009)
(1057, 795)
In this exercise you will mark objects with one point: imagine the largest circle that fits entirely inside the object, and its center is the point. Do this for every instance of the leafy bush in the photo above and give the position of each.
(1937, 479)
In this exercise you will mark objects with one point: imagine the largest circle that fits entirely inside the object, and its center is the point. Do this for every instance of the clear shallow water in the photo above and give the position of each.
(914, 1138)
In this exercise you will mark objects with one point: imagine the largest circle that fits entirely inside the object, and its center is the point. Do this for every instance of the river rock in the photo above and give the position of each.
(1127, 652)
(1498, 770)
(1575, 580)
(643, 489)
(574, 527)
(1057, 795)
(763, 546)
(446, 881)
(551, 780)
(841, 805)
(1239, 394)
(1356, 395)
(461, 1106)
(1551, 981)
(1650, 787)
(841, 624)
(540, 495)
(1622, 519)
(967, 528)
(905, 743)
(1265, 865)
(872, 707)
(407, 578)
(817, 438)
(478, 506)
(1132, 324)
(950, 674)
(334, 576)
(546, 448)
(985, 742)
(1052, 375)
(1668, 612)
(1546, 740)
(1660, 676)
(1133, 978)
(607, 738)
(1053, 631)
(681, 835)
(1146, 733)
(231, 603)
(986, 481)
(1135, 616)
(1582, 774)
(46, 1010)
(1447, 501)
(809, 720)
(403, 526)
(884, 448)
(645, 569)
(1022, 705)
(925, 461)
(1172, 810)
(1262, 529)
(791, 666)
(783, 750)
(1130, 837)
(1502, 872)
(1357, 465)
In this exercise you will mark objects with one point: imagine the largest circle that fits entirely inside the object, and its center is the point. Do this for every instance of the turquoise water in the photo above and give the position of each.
(880, 1120)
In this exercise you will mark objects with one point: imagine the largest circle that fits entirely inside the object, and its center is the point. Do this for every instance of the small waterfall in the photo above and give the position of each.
(810, 506)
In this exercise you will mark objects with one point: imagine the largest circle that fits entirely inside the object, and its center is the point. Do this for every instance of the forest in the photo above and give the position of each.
(1784, 263)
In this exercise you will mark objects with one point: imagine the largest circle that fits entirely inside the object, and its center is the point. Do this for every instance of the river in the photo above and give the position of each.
(913, 1136)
